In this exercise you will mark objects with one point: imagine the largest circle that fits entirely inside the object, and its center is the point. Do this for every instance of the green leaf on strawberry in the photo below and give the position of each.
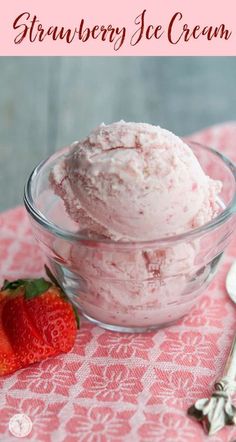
(32, 287)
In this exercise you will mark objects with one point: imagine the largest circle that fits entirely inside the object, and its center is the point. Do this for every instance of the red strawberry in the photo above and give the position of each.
(51, 309)
(8, 360)
(25, 338)
(36, 321)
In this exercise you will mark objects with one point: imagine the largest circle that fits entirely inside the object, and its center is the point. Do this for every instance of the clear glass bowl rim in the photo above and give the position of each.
(74, 236)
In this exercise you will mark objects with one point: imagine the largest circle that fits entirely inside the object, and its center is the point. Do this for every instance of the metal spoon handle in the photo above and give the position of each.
(230, 366)
(229, 373)
(219, 411)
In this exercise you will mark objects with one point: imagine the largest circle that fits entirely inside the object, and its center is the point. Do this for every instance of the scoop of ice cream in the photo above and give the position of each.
(134, 181)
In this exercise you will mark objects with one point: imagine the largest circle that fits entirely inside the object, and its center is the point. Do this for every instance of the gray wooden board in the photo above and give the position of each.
(48, 102)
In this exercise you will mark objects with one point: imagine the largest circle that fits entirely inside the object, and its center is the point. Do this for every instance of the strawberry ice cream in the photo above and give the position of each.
(133, 183)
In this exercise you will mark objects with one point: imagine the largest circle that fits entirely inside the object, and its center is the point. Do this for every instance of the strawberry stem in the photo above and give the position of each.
(51, 276)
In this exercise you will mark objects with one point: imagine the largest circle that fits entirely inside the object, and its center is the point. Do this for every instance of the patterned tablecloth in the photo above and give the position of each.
(115, 387)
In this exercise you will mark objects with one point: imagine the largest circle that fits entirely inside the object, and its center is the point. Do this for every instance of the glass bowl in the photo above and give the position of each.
(131, 286)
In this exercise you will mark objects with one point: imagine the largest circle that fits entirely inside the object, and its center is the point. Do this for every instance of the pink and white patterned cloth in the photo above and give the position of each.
(115, 387)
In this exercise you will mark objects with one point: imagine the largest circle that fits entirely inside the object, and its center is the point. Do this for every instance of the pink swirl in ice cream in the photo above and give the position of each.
(135, 181)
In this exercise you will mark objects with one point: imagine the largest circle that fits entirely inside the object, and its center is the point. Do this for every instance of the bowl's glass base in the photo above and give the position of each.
(122, 329)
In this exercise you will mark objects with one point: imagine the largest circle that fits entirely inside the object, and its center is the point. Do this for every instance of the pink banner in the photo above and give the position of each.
(150, 27)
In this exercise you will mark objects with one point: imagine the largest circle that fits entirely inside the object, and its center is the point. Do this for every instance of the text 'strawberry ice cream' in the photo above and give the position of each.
(133, 182)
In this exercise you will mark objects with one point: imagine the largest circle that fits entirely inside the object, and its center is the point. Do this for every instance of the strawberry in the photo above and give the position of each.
(51, 308)
(36, 321)
(8, 360)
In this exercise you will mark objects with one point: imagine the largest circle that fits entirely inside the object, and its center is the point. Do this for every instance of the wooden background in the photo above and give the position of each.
(48, 102)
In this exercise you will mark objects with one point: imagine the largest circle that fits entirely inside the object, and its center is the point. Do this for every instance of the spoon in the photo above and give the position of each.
(218, 411)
